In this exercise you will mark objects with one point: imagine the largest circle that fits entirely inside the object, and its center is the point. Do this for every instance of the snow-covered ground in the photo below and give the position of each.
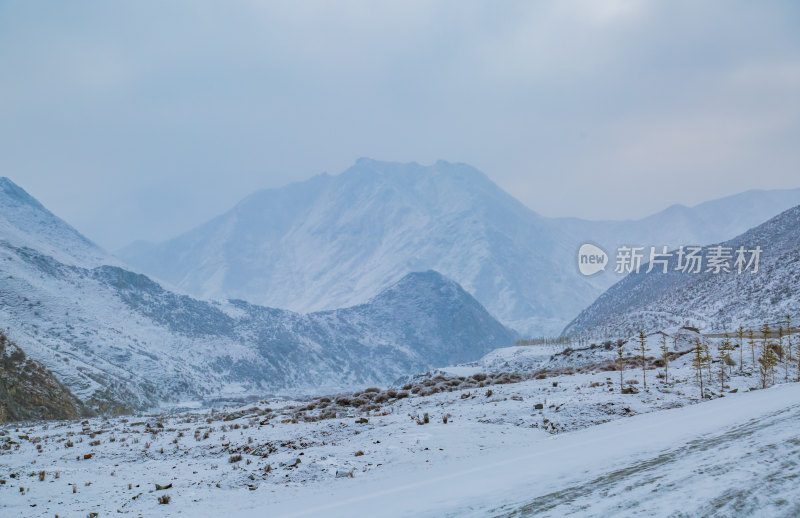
(730, 457)
(497, 453)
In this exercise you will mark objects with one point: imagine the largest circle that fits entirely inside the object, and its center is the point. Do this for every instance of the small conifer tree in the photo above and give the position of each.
(740, 342)
(707, 357)
(621, 363)
(722, 357)
(665, 357)
(767, 363)
(782, 354)
(725, 349)
(643, 350)
(768, 357)
(698, 362)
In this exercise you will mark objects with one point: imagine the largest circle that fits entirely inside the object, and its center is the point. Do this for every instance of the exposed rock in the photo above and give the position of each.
(28, 391)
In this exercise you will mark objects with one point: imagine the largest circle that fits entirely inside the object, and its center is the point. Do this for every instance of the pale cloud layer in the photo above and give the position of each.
(139, 120)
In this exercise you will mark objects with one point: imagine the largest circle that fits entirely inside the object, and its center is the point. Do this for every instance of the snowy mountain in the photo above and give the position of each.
(338, 240)
(334, 241)
(25, 222)
(707, 300)
(120, 340)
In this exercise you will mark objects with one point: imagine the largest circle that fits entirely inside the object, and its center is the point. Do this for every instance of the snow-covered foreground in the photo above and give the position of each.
(559, 445)
(733, 456)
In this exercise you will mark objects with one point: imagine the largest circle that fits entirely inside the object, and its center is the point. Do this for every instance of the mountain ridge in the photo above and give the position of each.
(120, 340)
(336, 240)
(712, 302)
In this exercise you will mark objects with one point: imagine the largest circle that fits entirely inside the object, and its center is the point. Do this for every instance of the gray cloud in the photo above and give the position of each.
(138, 120)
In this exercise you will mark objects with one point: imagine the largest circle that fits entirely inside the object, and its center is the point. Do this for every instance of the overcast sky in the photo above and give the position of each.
(139, 120)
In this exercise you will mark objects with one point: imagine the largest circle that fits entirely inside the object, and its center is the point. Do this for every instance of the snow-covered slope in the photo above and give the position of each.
(730, 457)
(25, 222)
(558, 443)
(333, 241)
(117, 338)
(709, 301)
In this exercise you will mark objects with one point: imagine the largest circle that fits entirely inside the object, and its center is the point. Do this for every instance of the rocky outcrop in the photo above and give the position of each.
(28, 391)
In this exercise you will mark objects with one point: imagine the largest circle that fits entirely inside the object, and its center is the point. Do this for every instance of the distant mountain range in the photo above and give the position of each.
(707, 300)
(372, 241)
(334, 241)
(119, 340)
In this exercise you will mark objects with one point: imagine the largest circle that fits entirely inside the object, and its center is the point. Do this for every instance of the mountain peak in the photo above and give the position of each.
(15, 194)
(430, 278)
(442, 177)
(24, 222)
(365, 160)
(422, 282)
